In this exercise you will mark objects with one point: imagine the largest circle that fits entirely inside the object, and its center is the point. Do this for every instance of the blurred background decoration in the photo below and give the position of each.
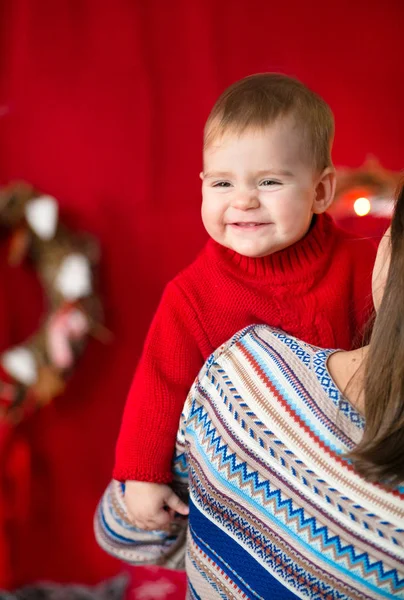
(364, 198)
(102, 104)
(35, 371)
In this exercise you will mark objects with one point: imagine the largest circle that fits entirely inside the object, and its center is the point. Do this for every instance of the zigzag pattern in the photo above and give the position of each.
(283, 509)
(294, 465)
(260, 522)
(290, 377)
(180, 466)
(281, 563)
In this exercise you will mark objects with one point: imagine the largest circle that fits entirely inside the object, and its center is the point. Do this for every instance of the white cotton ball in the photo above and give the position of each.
(20, 364)
(42, 216)
(74, 278)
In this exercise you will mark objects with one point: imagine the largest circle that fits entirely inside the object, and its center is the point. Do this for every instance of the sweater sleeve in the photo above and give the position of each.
(169, 364)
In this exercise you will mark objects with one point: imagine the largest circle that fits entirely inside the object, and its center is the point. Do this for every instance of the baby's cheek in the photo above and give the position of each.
(289, 215)
(294, 221)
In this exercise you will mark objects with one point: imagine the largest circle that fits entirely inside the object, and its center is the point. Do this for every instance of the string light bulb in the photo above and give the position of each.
(362, 206)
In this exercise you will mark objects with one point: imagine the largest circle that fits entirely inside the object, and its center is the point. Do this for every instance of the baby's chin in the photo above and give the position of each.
(248, 248)
(251, 251)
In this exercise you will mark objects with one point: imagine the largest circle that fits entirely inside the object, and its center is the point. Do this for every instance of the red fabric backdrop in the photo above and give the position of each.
(102, 104)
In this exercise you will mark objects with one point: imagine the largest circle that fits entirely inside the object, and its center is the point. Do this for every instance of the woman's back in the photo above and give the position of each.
(276, 511)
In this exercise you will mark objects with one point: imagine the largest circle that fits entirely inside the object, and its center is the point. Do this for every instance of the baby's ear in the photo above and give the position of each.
(325, 190)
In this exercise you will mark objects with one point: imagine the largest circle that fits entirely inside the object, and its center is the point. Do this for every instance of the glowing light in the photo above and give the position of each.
(361, 206)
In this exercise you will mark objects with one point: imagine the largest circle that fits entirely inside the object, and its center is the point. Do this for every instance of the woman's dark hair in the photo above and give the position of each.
(379, 457)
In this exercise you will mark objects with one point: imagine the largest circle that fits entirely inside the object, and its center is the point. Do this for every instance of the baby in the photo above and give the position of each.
(274, 257)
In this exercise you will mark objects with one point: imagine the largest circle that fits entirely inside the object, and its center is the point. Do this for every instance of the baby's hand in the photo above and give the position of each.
(152, 505)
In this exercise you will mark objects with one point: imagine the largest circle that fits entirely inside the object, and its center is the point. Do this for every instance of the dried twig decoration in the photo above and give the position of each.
(35, 372)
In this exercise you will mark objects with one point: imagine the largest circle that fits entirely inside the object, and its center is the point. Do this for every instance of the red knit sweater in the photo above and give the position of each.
(318, 290)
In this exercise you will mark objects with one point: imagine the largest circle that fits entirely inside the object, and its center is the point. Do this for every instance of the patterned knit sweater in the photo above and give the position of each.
(318, 290)
(276, 511)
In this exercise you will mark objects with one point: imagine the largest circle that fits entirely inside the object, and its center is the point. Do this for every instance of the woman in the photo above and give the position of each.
(295, 458)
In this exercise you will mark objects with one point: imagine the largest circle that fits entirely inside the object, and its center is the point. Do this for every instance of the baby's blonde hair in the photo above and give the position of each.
(259, 100)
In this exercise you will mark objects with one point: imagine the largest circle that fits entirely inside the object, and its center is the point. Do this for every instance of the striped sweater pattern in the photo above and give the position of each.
(276, 510)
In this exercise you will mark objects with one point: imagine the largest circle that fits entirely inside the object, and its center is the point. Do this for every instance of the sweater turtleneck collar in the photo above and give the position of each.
(297, 263)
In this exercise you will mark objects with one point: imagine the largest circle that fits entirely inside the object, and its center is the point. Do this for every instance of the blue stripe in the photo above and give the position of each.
(194, 595)
(159, 535)
(112, 533)
(274, 378)
(241, 567)
(299, 537)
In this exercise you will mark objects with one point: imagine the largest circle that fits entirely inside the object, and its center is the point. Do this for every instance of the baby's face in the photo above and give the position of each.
(258, 189)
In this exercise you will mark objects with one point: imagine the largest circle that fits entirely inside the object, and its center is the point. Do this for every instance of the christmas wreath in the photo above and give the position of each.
(36, 371)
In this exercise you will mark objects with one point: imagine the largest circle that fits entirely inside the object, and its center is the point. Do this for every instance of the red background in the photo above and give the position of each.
(102, 104)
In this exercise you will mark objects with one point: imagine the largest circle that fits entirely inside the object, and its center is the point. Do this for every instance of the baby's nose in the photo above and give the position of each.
(246, 200)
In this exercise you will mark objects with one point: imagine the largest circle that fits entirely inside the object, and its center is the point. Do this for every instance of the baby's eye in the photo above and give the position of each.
(221, 184)
(269, 182)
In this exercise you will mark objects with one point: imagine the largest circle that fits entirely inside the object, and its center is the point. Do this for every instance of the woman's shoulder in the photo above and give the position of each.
(267, 340)
(275, 359)
(272, 357)
(266, 365)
